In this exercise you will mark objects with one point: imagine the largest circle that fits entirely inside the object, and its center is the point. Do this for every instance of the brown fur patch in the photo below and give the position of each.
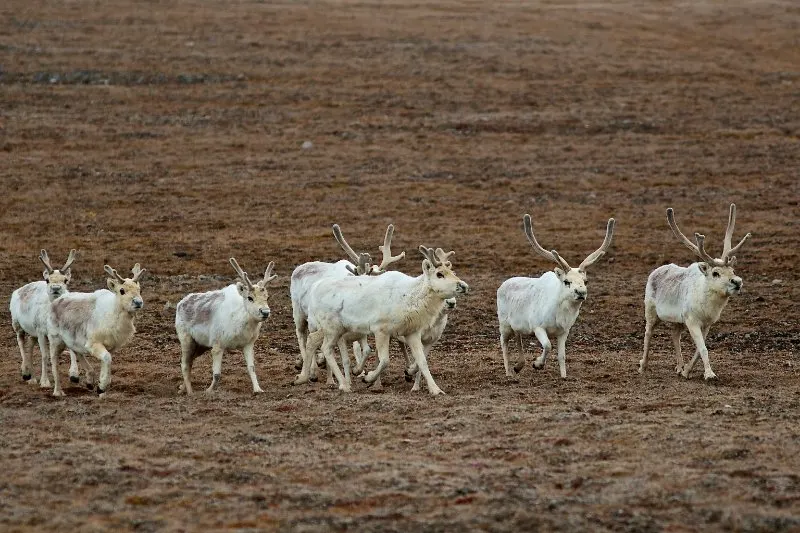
(72, 315)
(26, 293)
(305, 271)
(198, 308)
(666, 282)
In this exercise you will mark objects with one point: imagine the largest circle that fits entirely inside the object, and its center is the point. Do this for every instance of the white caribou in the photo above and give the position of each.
(95, 323)
(386, 306)
(225, 319)
(691, 297)
(545, 306)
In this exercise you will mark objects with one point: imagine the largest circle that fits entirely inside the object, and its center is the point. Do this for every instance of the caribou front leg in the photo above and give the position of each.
(418, 352)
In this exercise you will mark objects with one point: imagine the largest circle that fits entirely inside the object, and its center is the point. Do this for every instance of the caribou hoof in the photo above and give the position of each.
(100, 391)
(26, 377)
(313, 379)
(409, 377)
(75, 379)
(519, 366)
(709, 375)
(90, 386)
(538, 367)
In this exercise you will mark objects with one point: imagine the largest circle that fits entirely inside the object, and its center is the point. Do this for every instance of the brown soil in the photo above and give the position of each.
(170, 133)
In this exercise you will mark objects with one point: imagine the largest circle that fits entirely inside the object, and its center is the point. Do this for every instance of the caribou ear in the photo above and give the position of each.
(560, 273)
(112, 285)
(240, 287)
(703, 267)
(427, 266)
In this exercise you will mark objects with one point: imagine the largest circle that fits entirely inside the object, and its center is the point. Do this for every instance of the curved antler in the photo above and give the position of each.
(70, 260)
(727, 251)
(46, 260)
(444, 257)
(337, 234)
(685, 240)
(430, 255)
(111, 272)
(268, 275)
(699, 249)
(551, 255)
(242, 274)
(137, 272)
(363, 265)
(597, 254)
(386, 251)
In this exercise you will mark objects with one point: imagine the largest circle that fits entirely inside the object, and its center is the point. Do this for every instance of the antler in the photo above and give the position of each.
(386, 250)
(111, 272)
(268, 275)
(597, 254)
(430, 255)
(337, 233)
(684, 239)
(551, 255)
(727, 251)
(69, 262)
(444, 257)
(137, 271)
(46, 260)
(699, 249)
(242, 274)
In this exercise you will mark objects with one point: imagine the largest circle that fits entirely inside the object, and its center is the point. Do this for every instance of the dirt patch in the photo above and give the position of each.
(174, 137)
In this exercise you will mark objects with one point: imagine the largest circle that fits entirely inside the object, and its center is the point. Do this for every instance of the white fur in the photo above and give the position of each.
(543, 307)
(229, 326)
(95, 323)
(391, 304)
(29, 318)
(687, 296)
(429, 337)
(303, 279)
(546, 306)
(693, 296)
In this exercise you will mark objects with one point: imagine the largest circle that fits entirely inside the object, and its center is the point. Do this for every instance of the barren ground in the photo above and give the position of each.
(170, 133)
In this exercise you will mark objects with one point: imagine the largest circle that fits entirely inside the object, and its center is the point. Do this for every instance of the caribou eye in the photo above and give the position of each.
(439, 275)
(715, 274)
(567, 283)
(121, 292)
(250, 298)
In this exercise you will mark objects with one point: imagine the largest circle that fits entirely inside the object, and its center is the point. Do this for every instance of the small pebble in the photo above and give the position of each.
(307, 145)
(777, 281)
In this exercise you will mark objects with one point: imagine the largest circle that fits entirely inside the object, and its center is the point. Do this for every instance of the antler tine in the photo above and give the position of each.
(677, 232)
(728, 251)
(444, 257)
(386, 251)
(337, 234)
(242, 274)
(729, 258)
(70, 260)
(429, 255)
(726, 244)
(597, 254)
(268, 275)
(561, 261)
(111, 272)
(552, 255)
(137, 271)
(701, 251)
(364, 264)
(46, 260)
